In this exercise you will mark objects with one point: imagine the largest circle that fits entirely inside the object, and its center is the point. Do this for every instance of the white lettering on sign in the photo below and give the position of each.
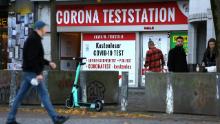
(105, 15)
(58, 17)
(81, 16)
(151, 10)
(96, 17)
(144, 16)
(88, 16)
(66, 18)
(131, 17)
(116, 16)
(163, 14)
(117, 19)
(137, 14)
(171, 14)
(111, 16)
(75, 17)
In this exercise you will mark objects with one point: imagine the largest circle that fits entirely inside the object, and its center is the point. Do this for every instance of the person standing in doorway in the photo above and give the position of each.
(177, 57)
(209, 58)
(154, 58)
(33, 65)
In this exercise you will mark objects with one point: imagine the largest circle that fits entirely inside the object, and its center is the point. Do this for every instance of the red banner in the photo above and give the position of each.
(158, 13)
(108, 36)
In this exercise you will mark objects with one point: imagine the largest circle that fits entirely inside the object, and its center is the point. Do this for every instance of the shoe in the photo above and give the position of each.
(61, 119)
(13, 122)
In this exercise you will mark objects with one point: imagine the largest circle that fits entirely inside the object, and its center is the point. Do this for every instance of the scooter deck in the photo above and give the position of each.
(85, 105)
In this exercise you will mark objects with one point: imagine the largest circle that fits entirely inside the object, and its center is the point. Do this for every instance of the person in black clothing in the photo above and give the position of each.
(209, 58)
(33, 65)
(177, 57)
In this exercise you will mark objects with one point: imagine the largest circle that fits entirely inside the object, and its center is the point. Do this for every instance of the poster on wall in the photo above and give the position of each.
(16, 52)
(18, 30)
(174, 35)
(110, 52)
(161, 42)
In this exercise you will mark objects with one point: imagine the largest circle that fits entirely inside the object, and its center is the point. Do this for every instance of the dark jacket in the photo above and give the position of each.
(177, 60)
(209, 59)
(33, 54)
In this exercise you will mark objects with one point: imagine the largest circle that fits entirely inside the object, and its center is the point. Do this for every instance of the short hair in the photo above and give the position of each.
(179, 37)
(150, 42)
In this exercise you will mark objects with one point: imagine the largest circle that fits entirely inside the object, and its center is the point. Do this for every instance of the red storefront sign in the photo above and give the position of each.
(157, 13)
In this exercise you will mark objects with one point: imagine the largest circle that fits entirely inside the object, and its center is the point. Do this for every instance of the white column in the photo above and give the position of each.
(137, 62)
(192, 44)
(210, 26)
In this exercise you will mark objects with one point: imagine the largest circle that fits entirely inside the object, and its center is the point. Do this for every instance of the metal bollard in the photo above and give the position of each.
(83, 86)
(218, 93)
(45, 75)
(13, 87)
(124, 92)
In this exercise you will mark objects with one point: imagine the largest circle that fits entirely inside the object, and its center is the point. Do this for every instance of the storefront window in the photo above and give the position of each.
(69, 48)
(161, 41)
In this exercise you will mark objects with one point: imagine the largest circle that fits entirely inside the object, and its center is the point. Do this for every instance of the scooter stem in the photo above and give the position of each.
(77, 74)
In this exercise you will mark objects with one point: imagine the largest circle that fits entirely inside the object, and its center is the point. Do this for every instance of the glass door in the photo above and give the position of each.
(161, 41)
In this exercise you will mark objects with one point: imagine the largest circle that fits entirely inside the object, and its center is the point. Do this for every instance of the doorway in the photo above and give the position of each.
(161, 41)
(70, 46)
(201, 41)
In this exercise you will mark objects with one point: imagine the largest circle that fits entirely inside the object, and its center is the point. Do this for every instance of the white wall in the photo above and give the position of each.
(44, 15)
(198, 6)
(47, 46)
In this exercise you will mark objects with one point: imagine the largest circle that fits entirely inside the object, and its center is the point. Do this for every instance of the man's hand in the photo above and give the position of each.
(53, 65)
(39, 77)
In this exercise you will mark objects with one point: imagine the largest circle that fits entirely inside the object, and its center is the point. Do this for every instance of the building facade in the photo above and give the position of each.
(113, 35)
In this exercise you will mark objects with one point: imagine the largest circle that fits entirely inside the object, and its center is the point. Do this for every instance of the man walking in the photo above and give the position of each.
(33, 65)
(177, 57)
(154, 58)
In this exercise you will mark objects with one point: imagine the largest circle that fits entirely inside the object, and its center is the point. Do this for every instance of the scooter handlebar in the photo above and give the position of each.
(79, 59)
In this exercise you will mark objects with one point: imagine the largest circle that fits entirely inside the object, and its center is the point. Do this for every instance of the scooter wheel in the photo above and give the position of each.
(68, 103)
(98, 105)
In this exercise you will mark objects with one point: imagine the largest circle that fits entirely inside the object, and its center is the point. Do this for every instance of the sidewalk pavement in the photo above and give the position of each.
(37, 115)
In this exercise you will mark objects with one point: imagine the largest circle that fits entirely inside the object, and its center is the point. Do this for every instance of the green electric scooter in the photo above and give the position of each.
(73, 101)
